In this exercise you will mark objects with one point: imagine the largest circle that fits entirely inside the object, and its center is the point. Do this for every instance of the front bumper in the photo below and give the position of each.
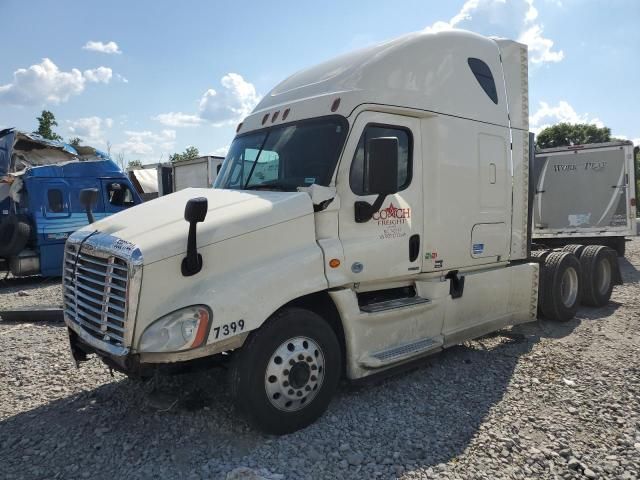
(145, 365)
(81, 347)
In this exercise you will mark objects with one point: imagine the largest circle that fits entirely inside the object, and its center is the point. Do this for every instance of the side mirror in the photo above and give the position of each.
(381, 174)
(88, 198)
(194, 212)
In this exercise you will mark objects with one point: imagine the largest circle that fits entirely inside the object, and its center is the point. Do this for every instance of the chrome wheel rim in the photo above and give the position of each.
(569, 287)
(294, 374)
(603, 272)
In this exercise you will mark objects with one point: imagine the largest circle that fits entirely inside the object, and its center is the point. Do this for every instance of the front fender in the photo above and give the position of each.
(247, 278)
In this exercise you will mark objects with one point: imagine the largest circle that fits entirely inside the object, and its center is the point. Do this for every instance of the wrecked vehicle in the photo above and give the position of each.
(40, 185)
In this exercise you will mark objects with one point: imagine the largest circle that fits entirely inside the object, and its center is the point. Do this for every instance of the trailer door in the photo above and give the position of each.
(581, 191)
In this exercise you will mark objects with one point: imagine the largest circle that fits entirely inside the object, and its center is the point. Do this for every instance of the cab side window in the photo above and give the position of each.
(119, 195)
(55, 200)
(358, 175)
(484, 77)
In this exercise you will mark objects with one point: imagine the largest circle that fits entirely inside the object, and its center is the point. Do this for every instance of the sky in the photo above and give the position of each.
(150, 78)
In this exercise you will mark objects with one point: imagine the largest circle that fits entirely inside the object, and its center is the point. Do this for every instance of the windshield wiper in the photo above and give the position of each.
(253, 167)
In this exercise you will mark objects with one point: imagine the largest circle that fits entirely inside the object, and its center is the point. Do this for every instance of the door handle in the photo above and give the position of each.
(414, 247)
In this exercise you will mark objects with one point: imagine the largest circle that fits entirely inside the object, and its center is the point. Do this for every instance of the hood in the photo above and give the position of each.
(159, 229)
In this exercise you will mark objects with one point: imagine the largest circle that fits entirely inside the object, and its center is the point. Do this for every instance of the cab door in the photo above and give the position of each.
(388, 245)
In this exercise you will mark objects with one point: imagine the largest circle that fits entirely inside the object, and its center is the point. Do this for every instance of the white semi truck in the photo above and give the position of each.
(371, 210)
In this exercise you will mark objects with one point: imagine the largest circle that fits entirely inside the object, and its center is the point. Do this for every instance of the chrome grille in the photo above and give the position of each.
(95, 293)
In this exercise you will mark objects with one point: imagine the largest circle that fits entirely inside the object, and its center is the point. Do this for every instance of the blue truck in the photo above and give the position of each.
(40, 185)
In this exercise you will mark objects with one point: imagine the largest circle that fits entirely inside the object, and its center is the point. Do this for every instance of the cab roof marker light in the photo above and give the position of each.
(285, 114)
(265, 118)
(335, 105)
(239, 127)
(275, 116)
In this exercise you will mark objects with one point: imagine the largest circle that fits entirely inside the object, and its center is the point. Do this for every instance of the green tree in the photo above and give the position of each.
(46, 122)
(75, 141)
(134, 164)
(564, 134)
(189, 154)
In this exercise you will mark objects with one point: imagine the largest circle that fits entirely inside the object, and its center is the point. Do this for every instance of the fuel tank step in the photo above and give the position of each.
(392, 304)
(401, 352)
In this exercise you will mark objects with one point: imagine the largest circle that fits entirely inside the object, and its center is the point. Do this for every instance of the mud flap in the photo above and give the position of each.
(77, 354)
(616, 274)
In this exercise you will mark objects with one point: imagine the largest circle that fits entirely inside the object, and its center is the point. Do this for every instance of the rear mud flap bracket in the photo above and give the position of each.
(456, 285)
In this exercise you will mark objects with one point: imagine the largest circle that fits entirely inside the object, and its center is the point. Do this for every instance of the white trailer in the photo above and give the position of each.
(200, 172)
(585, 194)
(371, 210)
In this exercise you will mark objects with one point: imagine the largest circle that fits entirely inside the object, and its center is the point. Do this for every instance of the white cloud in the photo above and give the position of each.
(232, 103)
(109, 47)
(122, 79)
(147, 145)
(178, 119)
(226, 106)
(46, 83)
(506, 18)
(90, 129)
(540, 48)
(98, 75)
(221, 152)
(548, 115)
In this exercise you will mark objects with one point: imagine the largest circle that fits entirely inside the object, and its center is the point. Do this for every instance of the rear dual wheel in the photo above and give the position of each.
(598, 271)
(559, 293)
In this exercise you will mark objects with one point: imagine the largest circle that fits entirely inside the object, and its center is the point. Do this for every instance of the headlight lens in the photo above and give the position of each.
(183, 329)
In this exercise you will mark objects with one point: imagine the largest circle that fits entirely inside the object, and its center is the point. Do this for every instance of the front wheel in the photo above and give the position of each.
(286, 372)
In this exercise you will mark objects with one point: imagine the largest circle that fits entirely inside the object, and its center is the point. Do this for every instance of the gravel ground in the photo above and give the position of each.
(29, 291)
(541, 400)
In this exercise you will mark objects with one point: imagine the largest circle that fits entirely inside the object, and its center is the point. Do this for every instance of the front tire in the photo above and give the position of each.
(284, 376)
(14, 235)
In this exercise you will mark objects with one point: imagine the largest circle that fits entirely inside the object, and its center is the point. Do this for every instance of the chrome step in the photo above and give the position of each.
(401, 352)
(392, 304)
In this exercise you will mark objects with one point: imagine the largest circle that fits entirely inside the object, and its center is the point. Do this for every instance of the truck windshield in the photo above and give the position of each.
(284, 157)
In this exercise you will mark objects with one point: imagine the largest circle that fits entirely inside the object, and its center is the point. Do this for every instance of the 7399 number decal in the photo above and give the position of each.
(228, 329)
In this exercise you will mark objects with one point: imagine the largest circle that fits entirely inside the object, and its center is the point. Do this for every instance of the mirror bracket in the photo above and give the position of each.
(192, 263)
(364, 210)
(88, 197)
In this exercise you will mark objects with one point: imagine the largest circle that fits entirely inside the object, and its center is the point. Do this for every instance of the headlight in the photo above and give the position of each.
(183, 329)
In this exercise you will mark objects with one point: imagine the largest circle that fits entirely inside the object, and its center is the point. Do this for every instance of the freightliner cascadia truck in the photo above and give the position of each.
(371, 210)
